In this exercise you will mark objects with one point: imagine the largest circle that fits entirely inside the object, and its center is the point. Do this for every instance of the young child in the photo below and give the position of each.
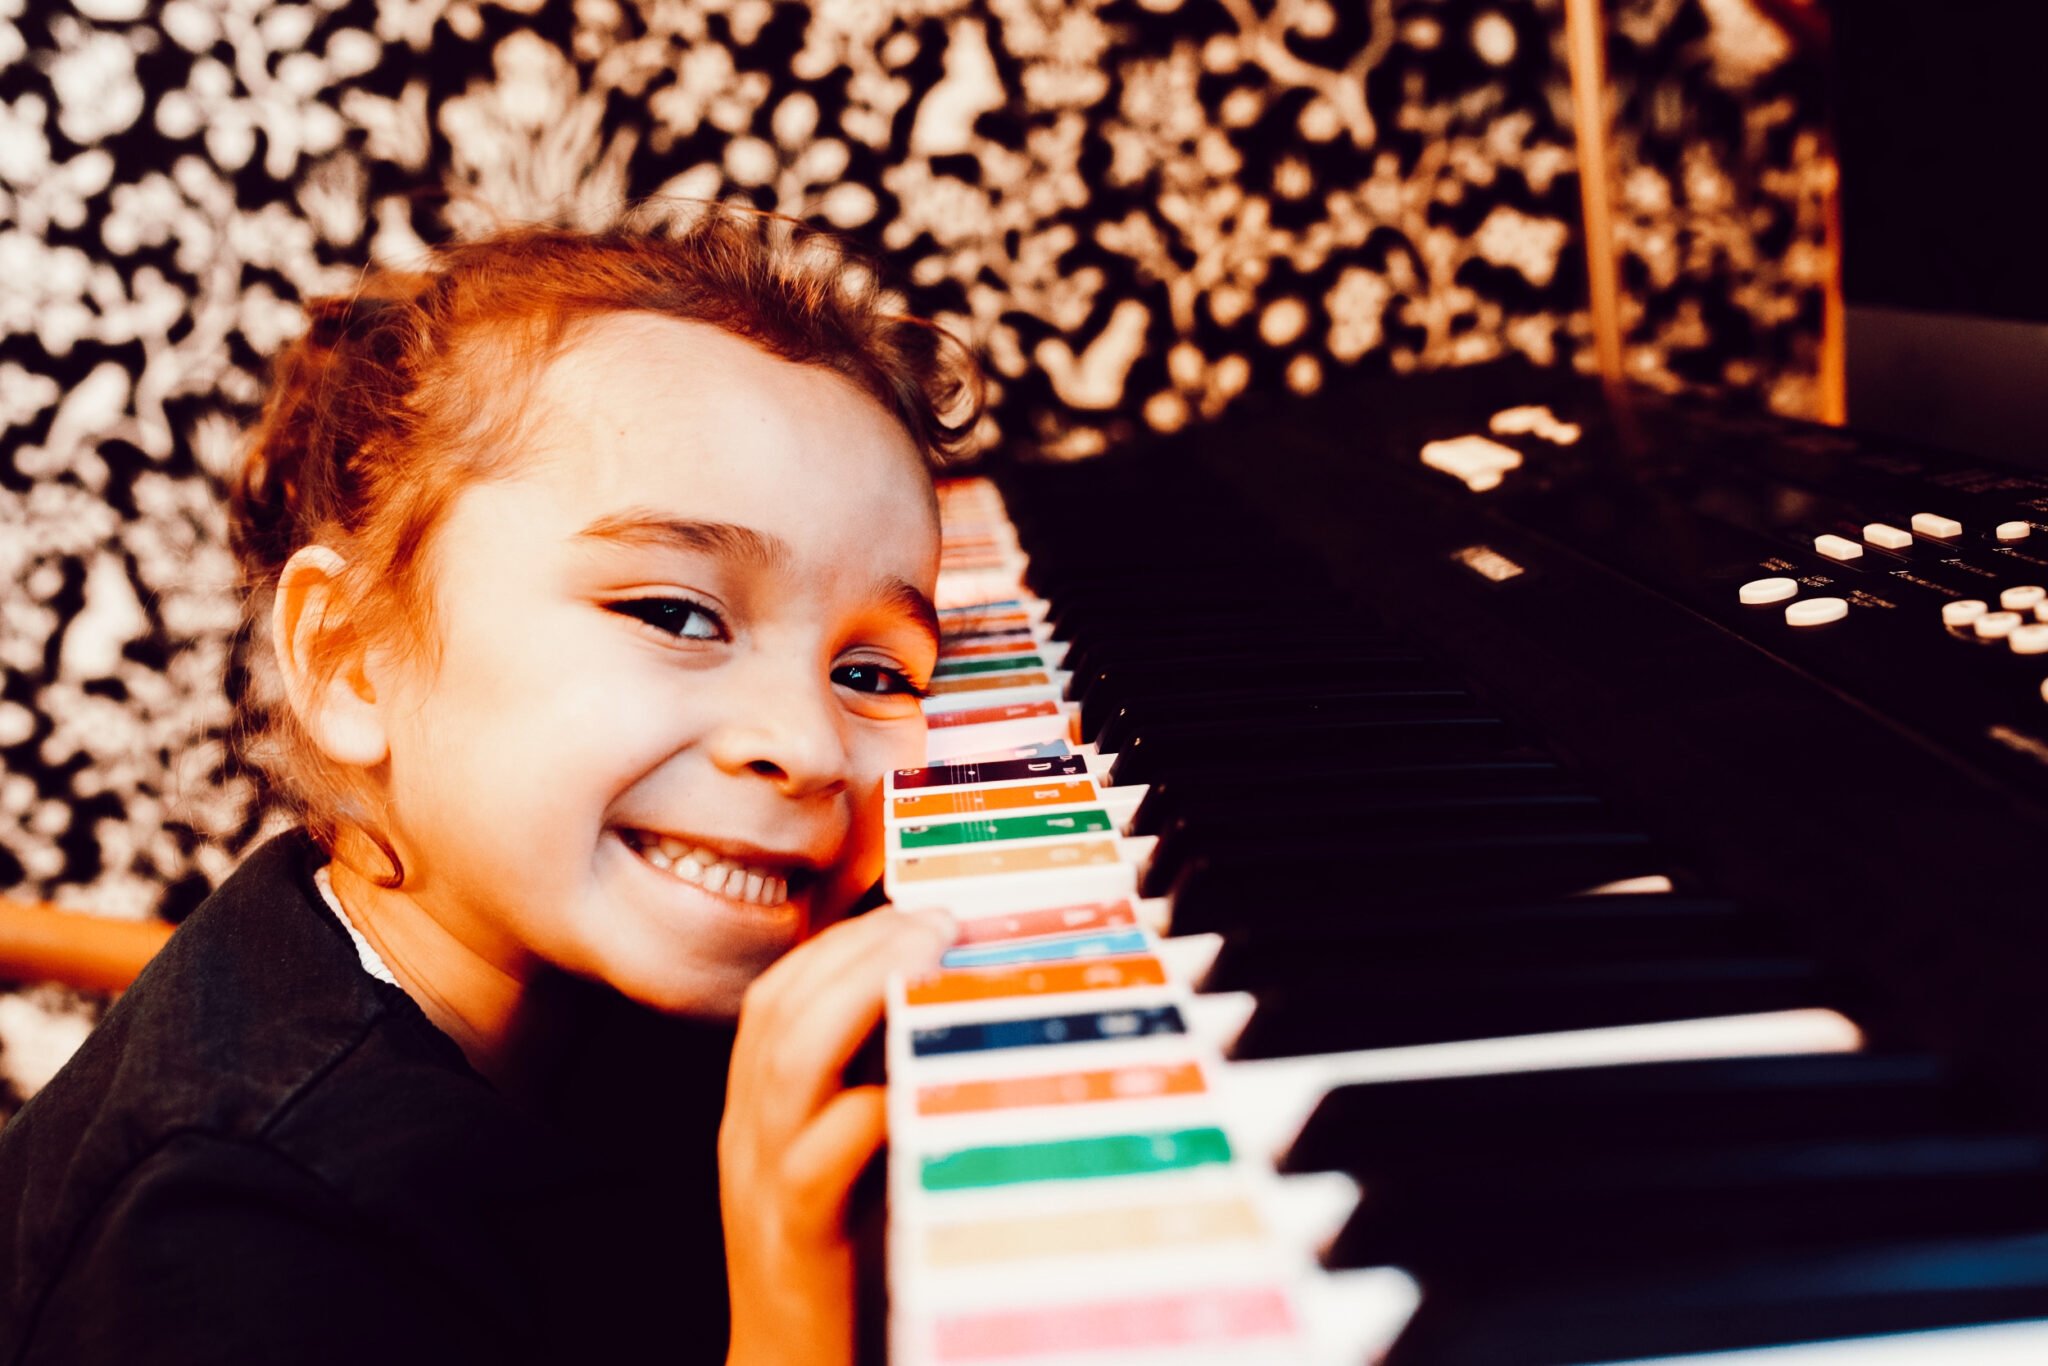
(597, 574)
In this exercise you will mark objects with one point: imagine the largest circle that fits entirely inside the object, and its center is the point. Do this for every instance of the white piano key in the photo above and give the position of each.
(1354, 1316)
(1217, 1017)
(1306, 1211)
(1630, 886)
(1122, 802)
(1188, 957)
(1267, 1100)
(1992, 1344)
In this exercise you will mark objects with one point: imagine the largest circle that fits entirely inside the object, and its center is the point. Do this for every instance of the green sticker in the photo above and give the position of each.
(988, 666)
(1053, 824)
(1076, 1159)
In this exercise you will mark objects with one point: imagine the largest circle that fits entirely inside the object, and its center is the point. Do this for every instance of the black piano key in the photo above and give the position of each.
(1378, 1129)
(1176, 636)
(1622, 1206)
(1218, 892)
(1192, 746)
(1759, 1298)
(1385, 1007)
(1110, 605)
(1366, 831)
(1137, 698)
(1114, 729)
(1589, 930)
(1198, 792)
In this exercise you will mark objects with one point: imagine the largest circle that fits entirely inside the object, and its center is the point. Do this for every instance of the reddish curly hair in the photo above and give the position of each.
(402, 394)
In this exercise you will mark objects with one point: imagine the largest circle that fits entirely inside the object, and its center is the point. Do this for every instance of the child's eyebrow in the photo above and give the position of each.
(727, 540)
(909, 598)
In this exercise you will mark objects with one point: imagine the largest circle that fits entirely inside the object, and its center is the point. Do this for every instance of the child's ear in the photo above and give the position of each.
(333, 697)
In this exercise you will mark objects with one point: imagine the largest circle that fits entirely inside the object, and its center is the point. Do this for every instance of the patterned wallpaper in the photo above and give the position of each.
(1137, 209)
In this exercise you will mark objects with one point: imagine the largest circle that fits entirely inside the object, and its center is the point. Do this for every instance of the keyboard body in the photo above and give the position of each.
(1651, 967)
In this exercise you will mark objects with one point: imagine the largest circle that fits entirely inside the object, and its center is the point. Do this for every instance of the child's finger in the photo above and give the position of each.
(826, 957)
(798, 1033)
(820, 1165)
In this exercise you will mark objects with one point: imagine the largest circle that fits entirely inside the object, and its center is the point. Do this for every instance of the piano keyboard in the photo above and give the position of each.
(1308, 1009)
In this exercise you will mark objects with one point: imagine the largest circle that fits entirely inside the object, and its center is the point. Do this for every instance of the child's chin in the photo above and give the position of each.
(711, 997)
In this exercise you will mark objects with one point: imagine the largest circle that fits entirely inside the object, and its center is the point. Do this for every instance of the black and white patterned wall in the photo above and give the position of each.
(1137, 209)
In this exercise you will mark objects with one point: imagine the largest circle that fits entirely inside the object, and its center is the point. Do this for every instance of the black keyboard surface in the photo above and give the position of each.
(1394, 728)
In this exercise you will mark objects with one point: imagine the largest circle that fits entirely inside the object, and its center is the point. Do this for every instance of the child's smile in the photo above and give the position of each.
(751, 877)
(677, 649)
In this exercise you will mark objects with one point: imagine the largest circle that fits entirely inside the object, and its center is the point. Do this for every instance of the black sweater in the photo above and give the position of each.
(265, 1155)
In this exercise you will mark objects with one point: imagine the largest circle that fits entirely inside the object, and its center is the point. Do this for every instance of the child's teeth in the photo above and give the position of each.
(718, 876)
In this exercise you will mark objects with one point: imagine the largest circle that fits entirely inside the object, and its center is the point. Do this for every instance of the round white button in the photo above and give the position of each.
(1816, 611)
(2023, 597)
(1934, 524)
(1838, 547)
(1890, 537)
(2030, 639)
(2013, 531)
(1760, 592)
(1996, 625)
(1962, 613)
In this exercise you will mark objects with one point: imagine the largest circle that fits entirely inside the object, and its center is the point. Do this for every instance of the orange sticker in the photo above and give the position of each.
(1142, 1082)
(982, 625)
(1020, 643)
(1047, 979)
(959, 802)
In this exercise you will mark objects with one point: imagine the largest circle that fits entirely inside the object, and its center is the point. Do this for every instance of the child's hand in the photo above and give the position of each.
(793, 1139)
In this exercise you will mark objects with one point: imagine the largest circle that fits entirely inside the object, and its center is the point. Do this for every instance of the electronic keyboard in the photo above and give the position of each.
(1470, 870)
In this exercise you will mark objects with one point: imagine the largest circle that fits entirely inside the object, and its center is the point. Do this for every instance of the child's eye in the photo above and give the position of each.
(876, 680)
(677, 616)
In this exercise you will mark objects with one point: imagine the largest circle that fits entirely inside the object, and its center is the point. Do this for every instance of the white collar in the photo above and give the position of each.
(372, 964)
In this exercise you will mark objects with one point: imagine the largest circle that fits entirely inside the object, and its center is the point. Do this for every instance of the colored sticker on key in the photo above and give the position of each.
(1096, 915)
(1075, 1159)
(994, 984)
(1007, 862)
(1091, 1232)
(1144, 1081)
(1047, 1031)
(1226, 1314)
(951, 614)
(985, 625)
(994, 771)
(1017, 643)
(946, 687)
(986, 716)
(1062, 949)
(1048, 826)
(998, 665)
(1072, 792)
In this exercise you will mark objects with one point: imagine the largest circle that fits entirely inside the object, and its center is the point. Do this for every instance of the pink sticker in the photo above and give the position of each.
(1160, 1321)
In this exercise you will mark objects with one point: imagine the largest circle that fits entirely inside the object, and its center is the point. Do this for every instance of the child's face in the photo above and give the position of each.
(689, 615)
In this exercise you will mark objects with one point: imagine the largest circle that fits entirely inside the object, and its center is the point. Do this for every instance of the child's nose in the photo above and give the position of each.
(786, 729)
